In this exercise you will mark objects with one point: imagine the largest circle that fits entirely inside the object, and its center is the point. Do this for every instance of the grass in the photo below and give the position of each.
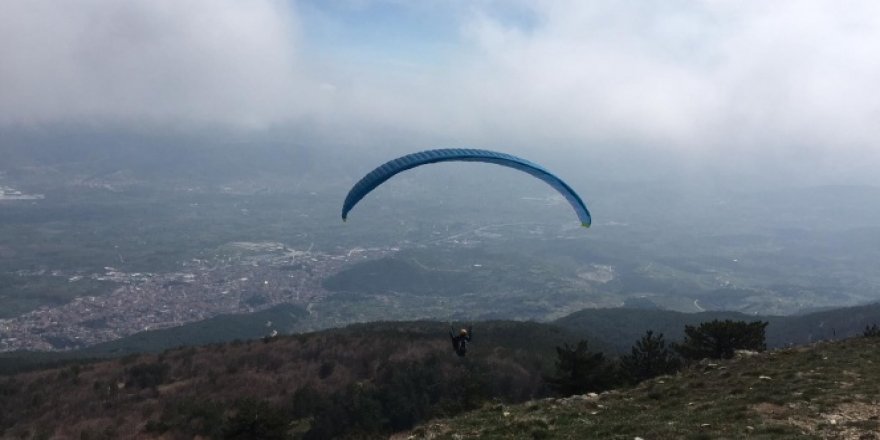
(827, 390)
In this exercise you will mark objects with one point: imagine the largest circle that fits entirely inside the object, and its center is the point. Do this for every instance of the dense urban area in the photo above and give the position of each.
(259, 276)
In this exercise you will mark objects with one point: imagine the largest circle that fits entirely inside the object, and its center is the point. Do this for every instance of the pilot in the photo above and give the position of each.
(459, 343)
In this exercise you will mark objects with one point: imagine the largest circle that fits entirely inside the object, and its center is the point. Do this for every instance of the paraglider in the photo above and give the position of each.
(459, 342)
(388, 170)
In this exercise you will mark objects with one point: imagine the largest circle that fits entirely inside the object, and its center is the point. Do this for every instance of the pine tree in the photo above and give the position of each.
(649, 358)
(579, 371)
(720, 339)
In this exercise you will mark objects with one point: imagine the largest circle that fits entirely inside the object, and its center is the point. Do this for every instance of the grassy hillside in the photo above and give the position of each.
(365, 381)
(827, 390)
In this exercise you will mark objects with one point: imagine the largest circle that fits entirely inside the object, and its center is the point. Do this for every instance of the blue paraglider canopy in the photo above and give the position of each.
(403, 163)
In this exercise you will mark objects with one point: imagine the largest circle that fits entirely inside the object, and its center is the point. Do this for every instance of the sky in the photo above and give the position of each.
(743, 85)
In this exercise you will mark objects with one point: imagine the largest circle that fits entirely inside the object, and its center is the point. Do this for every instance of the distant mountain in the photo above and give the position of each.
(282, 318)
(608, 330)
(620, 327)
(824, 325)
(206, 155)
(222, 328)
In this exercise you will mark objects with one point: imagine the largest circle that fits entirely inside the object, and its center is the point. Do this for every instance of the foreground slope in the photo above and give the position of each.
(363, 381)
(827, 390)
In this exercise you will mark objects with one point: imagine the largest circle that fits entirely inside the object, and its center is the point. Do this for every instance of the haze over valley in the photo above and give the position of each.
(126, 239)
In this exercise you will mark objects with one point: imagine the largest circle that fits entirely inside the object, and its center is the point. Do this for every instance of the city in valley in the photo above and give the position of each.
(257, 276)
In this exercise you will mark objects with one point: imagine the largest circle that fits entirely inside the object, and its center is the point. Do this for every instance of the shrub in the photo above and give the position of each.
(189, 416)
(147, 375)
(579, 371)
(355, 413)
(720, 339)
(649, 358)
(255, 419)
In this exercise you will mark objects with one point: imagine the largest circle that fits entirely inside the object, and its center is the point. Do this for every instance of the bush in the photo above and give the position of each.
(649, 358)
(355, 413)
(255, 419)
(720, 339)
(579, 371)
(189, 416)
(307, 402)
(410, 392)
(147, 375)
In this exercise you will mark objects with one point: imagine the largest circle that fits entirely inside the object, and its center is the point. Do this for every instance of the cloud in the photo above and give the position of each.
(158, 60)
(689, 74)
(786, 80)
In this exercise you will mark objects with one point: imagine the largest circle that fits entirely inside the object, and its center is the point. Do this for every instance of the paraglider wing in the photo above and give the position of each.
(391, 168)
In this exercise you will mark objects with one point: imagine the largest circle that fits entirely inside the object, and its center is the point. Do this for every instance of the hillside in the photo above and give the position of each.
(365, 380)
(371, 380)
(826, 390)
(608, 330)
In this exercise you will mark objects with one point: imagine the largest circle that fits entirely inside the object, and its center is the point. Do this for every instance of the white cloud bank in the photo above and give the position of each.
(783, 78)
(684, 74)
(220, 61)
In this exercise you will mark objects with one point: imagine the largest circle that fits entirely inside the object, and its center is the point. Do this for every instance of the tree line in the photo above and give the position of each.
(579, 371)
(405, 394)
(362, 387)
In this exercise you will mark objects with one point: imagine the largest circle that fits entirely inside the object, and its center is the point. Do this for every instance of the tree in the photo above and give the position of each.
(255, 419)
(579, 371)
(649, 358)
(355, 412)
(720, 339)
(148, 375)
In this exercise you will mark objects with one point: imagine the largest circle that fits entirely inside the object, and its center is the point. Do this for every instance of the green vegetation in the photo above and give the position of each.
(579, 371)
(371, 380)
(147, 375)
(649, 358)
(826, 390)
(720, 339)
(363, 381)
